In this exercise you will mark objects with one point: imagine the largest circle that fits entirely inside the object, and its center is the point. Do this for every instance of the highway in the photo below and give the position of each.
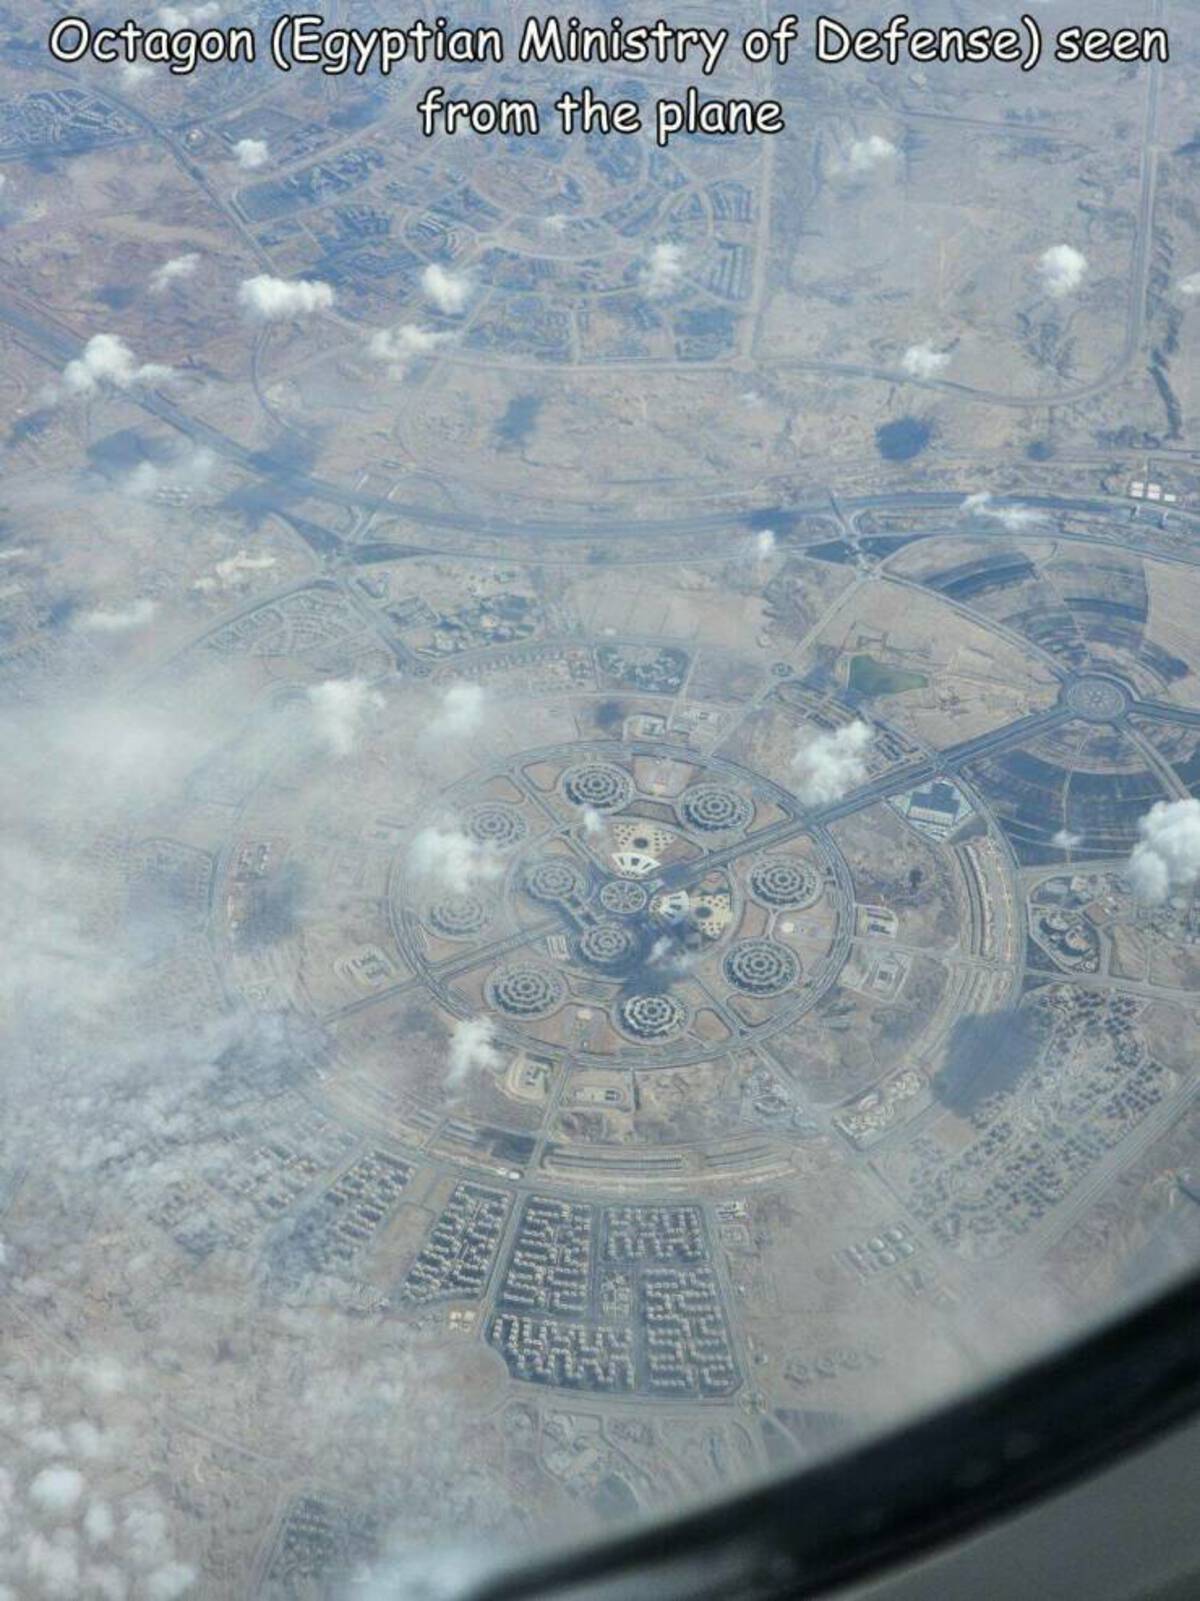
(894, 782)
(56, 344)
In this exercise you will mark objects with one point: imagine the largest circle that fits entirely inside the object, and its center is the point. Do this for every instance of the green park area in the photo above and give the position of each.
(871, 677)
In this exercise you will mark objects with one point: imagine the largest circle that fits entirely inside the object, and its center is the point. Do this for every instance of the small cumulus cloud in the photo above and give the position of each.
(251, 154)
(56, 1490)
(828, 765)
(144, 1530)
(85, 1439)
(923, 361)
(1011, 516)
(1167, 856)
(51, 1563)
(174, 271)
(1190, 285)
(99, 1525)
(668, 952)
(446, 291)
(865, 155)
(757, 548)
(119, 620)
(108, 361)
(1064, 840)
(461, 711)
(399, 347)
(340, 706)
(168, 1583)
(446, 858)
(472, 1050)
(175, 17)
(135, 73)
(593, 822)
(663, 270)
(189, 468)
(102, 1375)
(1062, 269)
(439, 1573)
(233, 572)
(270, 299)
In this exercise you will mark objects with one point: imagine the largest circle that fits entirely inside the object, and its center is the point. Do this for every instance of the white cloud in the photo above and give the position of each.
(146, 1537)
(85, 1439)
(3, 182)
(96, 1557)
(56, 1490)
(233, 572)
(175, 17)
(399, 347)
(593, 822)
(445, 1572)
(1167, 857)
(190, 468)
(107, 1583)
(52, 1563)
(98, 1523)
(556, 222)
(1190, 285)
(50, 1442)
(1064, 840)
(447, 291)
(461, 712)
(472, 1049)
(135, 72)
(119, 621)
(251, 154)
(339, 707)
(452, 860)
(276, 299)
(827, 765)
(102, 1375)
(663, 270)
(45, 943)
(169, 1582)
(923, 361)
(1012, 517)
(1062, 268)
(757, 548)
(865, 155)
(173, 271)
(107, 359)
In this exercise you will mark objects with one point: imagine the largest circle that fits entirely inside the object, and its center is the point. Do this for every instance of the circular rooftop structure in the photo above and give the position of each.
(660, 934)
(1097, 698)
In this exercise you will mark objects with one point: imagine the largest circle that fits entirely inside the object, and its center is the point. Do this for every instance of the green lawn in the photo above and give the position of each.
(870, 677)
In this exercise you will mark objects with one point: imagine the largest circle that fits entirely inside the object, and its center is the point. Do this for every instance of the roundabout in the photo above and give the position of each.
(1097, 697)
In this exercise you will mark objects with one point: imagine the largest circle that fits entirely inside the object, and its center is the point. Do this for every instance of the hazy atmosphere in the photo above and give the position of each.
(599, 833)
